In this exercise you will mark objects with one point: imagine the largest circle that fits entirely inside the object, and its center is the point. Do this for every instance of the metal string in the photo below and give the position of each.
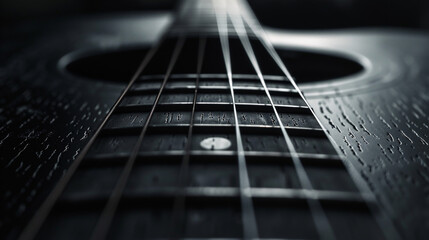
(322, 224)
(250, 230)
(105, 220)
(41, 215)
(179, 205)
(383, 221)
(36, 222)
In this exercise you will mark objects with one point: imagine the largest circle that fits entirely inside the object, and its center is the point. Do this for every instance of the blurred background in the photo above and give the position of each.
(289, 14)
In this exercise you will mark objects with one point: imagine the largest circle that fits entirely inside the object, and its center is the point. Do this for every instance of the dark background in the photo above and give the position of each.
(292, 14)
(408, 193)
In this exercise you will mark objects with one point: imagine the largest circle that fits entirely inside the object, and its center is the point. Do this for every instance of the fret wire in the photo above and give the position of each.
(385, 223)
(250, 230)
(32, 228)
(322, 224)
(105, 220)
(56, 193)
(179, 205)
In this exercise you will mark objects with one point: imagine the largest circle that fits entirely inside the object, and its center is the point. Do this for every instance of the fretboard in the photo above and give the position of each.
(211, 139)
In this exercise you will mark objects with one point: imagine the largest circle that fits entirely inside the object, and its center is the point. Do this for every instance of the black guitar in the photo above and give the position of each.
(194, 127)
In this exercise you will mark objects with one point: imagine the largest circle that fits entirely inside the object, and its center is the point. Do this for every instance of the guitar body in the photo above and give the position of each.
(377, 112)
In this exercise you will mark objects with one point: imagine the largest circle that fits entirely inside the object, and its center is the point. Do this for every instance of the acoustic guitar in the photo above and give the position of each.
(206, 125)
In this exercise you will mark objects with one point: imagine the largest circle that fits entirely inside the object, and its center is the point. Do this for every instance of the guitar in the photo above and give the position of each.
(199, 130)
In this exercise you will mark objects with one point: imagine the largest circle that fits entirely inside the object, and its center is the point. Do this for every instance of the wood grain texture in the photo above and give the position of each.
(46, 117)
(383, 128)
(386, 137)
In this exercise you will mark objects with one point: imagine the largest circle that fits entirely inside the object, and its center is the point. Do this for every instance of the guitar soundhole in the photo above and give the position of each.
(118, 66)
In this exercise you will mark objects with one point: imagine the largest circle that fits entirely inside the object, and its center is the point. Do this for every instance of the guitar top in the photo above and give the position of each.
(192, 126)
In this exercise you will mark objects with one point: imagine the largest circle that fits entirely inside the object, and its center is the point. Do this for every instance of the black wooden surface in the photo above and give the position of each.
(383, 126)
(46, 117)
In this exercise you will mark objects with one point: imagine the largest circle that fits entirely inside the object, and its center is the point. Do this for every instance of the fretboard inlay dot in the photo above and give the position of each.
(215, 143)
(207, 143)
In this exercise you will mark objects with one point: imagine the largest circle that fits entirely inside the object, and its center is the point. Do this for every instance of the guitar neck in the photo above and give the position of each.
(211, 139)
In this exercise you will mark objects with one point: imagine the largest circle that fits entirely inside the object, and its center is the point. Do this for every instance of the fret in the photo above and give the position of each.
(42, 215)
(180, 200)
(179, 203)
(180, 84)
(281, 156)
(177, 88)
(252, 156)
(139, 190)
(275, 82)
(152, 83)
(248, 215)
(176, 97)
(321, 224)
(148, 174)
(378, 233)
(138, 100)
(103, 225)
(216, 106)
(215, 96)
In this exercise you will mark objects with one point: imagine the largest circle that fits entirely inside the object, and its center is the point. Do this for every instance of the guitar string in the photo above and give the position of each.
(385, 223)
(179, 202)
(382, 219)
(321, 222)
(179, 205)
(32, 228)
(250, 230)
(71, 171)
(105, 220)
